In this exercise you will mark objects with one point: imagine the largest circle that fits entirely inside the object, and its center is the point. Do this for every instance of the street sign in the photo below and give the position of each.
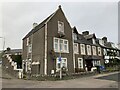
(59, 58)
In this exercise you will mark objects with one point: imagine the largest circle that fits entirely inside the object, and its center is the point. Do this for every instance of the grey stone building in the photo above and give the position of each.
(110, 51)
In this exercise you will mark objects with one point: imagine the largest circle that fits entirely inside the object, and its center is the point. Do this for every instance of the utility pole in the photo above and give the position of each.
(60, 61)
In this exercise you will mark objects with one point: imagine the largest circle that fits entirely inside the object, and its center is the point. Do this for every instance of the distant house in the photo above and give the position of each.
(14, 51)
(12, 62)
(48, 43)
(110, 51)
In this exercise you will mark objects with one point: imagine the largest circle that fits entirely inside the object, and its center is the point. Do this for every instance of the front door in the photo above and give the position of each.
(89, 64)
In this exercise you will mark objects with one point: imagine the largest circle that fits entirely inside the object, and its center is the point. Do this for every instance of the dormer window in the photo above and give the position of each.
(74, 36)
(60, 27)
(93, 40)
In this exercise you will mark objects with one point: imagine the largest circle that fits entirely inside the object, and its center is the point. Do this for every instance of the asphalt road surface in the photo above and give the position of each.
(97, 81)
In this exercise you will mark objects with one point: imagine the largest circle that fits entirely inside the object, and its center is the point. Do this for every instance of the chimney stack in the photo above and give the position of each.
(85, 33)
(104, 39)
(34, 25)
(59, 6)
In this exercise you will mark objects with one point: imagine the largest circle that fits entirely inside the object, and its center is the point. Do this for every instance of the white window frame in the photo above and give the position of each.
(118, 54)
(80, 60)
(57, 61)
(67, 51)
(93, 40)
(55, 45)
(76, 49)
(96, 63)
(82, 49)
(30, 48)
(27, 41)
(99, 50)
(74, 36)
(94, 50)
(88, 49)
(60, 28)
(105, 51)
(63, 45)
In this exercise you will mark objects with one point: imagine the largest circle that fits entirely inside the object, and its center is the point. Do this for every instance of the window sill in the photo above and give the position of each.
(76, 53)
(83, 54)
(61, 52)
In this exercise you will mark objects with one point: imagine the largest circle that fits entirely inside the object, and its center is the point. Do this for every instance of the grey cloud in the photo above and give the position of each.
(99, 18)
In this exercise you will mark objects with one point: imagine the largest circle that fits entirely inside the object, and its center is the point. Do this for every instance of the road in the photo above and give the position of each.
(97, 81)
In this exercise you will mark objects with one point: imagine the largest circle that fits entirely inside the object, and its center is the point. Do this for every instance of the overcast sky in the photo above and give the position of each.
(100, 18)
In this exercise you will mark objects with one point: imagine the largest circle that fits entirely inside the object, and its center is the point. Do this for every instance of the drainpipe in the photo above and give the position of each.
(73, 51)
(45, 58)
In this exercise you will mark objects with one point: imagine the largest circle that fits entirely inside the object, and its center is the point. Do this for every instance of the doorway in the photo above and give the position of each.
(89, 64)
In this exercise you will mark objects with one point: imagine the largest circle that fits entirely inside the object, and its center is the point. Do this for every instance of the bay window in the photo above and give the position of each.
(61, 45)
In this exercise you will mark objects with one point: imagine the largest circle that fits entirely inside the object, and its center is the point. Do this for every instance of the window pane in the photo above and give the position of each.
(61, 41)
(56, 40)
(75, 48)
(61, 45)
(56, 46)
(58, 65)
(65, 42)
(65, 47)
(60, 27)
(63, 65)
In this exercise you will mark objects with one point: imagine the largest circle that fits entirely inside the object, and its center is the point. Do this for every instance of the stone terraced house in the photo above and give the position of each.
(54, 40)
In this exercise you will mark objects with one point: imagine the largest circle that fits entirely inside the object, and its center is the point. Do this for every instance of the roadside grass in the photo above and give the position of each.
(65, 76)
(57, 77)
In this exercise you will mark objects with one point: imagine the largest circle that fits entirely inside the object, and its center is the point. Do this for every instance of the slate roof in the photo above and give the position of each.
(82, 40)
(13, 51)
(16, 50)
(90, 36)
(107, 45)
(75, 30)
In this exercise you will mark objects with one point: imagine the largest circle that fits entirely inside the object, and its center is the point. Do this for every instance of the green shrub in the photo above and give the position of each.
(77, 70)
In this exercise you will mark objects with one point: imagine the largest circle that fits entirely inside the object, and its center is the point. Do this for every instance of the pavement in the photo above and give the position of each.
(97, 81)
